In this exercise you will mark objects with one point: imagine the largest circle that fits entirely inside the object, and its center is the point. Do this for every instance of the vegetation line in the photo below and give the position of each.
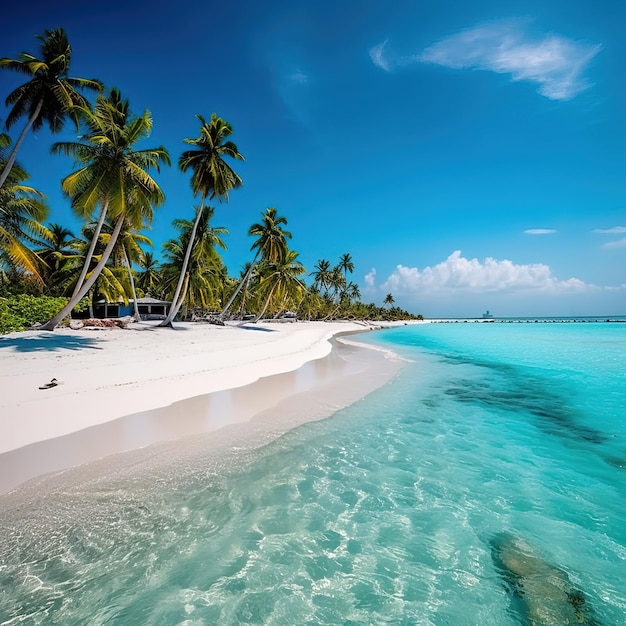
(47, 272)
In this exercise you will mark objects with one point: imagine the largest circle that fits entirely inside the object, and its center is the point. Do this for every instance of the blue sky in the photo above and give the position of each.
(468, 155)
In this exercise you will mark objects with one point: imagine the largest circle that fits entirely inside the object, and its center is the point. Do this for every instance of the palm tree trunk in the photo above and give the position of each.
(13, 156)
(175, 305)
(132, 285)
(239, 286)
(183, 294)
(67, 309)
(92, 247)
(267, 303)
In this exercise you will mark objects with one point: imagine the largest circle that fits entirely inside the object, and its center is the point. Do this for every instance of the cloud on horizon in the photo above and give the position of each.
(554, 62)
(473, 276)
(540, 231)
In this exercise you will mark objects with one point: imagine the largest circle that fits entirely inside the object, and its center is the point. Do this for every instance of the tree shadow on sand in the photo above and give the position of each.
(259, 328)
(48, 342)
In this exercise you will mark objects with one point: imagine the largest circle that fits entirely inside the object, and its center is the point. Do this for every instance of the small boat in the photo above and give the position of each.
(487, 316)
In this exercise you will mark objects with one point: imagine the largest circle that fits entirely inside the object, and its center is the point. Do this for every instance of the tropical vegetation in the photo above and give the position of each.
(48, 271)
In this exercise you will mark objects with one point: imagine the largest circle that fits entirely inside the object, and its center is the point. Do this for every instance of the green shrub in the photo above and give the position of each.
(22, 311)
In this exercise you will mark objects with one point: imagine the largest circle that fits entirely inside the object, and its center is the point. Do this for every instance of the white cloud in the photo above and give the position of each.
(377, 54)
(370, 280)
(554, 62)
(616, 230)
(540, 231)
(471, 275)
(619, 243)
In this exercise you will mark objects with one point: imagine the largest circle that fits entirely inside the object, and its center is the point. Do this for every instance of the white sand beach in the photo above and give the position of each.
(107, 374)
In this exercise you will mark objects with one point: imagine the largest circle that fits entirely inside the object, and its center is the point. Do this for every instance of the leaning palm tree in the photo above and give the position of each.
(271, 245)
(127, 251)
(109, 282)
(113, 176)
(204, 269)
(212, 177)
(50, 95)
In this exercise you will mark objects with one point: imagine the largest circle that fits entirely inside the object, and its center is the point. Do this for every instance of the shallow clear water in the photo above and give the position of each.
(484, 485)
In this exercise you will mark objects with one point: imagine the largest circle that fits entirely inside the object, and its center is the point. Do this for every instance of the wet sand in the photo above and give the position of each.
(249, 416)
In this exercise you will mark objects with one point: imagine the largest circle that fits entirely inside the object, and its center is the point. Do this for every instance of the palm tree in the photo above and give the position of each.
(271, 245)
(204, 269)
(55, 251)
(211, 177)
(280, 281)
(337, 282)
(22, 209)
(346, 265)
(322, 275)
(388, 300)
(50, 94)
(271, 240)
(149, 280)
(114, 175)
(354, 293)
(126, 252)
(108, 283)
(311, 305)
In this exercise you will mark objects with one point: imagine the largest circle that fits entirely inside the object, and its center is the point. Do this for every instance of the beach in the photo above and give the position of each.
(120, 389)
(492, 445)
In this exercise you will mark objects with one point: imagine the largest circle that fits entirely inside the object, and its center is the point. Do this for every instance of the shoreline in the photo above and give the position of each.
(250, 374)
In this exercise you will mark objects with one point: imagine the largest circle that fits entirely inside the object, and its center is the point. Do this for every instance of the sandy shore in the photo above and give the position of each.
(146, 373)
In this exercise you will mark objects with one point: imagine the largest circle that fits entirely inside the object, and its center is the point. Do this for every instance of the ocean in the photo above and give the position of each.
(484, 485)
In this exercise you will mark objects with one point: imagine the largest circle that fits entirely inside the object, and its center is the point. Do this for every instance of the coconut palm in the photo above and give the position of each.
(50, 94)
(280, 282)
(337, 282)
(354, 293)
(114, 176)
(112, 165)
(271, 240)
(389, 300)
(204, 268)
(108, 283)
(246, 287)
(127, 251)
(212, 177)
(311, 305)
(55, 251)
(346, 265)
(270, 245)
(322, 275)
(22, 209)
(149, 280)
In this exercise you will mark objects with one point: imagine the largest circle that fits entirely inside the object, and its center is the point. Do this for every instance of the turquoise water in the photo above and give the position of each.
(486, 484)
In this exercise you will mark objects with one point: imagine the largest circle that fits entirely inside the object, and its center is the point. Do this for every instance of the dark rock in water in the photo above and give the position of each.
(542, 593)
(616, 461)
